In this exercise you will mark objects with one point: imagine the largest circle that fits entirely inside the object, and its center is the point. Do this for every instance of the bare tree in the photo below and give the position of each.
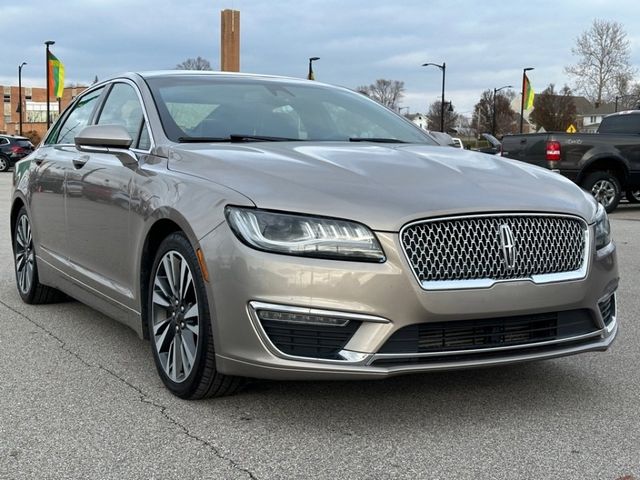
(194, 64)
(387, 92)
(450, 117)
(554, 111)
(603, 61)
(482, 119)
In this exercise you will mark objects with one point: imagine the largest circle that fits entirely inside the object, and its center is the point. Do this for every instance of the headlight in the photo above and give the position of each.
(306, 236)
(603, 229)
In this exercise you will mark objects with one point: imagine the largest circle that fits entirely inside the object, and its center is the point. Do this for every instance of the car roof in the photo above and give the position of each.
(14, 137)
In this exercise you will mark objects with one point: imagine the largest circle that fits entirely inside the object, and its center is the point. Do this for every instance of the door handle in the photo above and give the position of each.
(523, 140)
(79, 162)
(40, 159)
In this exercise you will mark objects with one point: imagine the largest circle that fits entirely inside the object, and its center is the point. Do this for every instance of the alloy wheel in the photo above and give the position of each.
(3, 164)
(24, 255)
(176, 321)
(604, 191)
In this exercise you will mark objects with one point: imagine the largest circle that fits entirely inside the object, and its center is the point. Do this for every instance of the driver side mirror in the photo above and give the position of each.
(100, 137)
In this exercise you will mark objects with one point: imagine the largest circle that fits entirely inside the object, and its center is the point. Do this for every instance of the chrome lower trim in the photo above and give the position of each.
(378, 356)
(350, 357)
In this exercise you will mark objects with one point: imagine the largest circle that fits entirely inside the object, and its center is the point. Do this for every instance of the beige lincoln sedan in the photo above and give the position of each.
(257, 226)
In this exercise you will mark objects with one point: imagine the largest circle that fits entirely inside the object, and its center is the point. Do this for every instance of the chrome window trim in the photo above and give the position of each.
(144, 113)
(490, 282)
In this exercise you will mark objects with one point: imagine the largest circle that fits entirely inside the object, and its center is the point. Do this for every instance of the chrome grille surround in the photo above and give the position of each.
(469, 252)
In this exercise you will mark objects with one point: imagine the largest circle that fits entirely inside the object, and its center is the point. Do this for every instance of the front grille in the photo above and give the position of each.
(473, 248)
(315, 341)
(489, 333)
(608, 309)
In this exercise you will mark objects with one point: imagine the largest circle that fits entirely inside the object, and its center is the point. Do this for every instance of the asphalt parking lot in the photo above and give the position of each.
(80, 398)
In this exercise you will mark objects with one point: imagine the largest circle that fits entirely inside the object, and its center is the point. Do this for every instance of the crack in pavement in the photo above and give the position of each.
(144, 398)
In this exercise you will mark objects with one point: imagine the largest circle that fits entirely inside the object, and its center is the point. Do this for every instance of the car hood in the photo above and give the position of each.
(382, 186)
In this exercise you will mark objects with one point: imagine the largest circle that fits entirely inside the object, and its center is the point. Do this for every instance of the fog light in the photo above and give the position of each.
(301, 318)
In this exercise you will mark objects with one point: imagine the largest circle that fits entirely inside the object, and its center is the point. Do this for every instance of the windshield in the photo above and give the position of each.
(216, 108)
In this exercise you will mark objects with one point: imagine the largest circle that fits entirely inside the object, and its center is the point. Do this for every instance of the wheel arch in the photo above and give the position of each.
(616, 166)
(160, 230)
(18, 203)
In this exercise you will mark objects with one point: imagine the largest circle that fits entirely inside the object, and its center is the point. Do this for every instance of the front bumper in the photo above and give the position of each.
(384, 298)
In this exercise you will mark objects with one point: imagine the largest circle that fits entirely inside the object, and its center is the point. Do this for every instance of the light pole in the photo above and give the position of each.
(48, 43)
(442, 67)
(493, 122)
(310, 76)
(524, 80)
(20, 96)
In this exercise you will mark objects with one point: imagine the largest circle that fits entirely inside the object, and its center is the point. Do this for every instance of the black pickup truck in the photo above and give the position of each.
(606, 163)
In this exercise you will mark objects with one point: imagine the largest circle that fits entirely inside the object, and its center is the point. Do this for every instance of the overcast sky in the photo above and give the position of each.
(484, 44)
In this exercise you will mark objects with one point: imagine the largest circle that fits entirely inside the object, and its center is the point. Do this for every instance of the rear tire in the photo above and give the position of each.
(605, 187)
(633, 196)
(26, 267)
(4, 163)
(179, 323)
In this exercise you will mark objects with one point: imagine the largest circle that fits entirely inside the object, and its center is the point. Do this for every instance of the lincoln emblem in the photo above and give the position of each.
(508, 246)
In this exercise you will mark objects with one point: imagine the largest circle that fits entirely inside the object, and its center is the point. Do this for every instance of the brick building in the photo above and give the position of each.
(34, 109)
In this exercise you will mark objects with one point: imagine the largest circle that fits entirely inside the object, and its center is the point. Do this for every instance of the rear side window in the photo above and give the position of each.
(122, 107)
(77, 119)
(628, 123)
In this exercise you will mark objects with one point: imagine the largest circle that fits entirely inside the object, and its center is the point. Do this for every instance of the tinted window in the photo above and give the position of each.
(210, 106)
(628, 123)
(122, 107)
(79, 117)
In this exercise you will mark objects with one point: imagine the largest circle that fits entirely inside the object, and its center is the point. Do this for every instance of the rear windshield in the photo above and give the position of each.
(25, 143)
(214, 107)
(627, 123)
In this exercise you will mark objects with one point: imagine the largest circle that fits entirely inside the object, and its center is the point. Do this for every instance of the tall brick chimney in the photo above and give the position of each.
(230, 41)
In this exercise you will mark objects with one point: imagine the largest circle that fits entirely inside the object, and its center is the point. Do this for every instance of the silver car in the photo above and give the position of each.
(255, 226)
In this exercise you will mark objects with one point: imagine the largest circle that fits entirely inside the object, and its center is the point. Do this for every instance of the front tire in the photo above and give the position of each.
(606, 189)
(26, 268)
(179, 324)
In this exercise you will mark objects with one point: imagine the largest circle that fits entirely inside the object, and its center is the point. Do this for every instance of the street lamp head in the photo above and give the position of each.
(313, 59)
(529, 68)
(49, 42)
(433, 64)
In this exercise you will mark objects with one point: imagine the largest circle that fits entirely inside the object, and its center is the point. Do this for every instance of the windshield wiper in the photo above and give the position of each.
(202, 139)
(237, 138)
(375, 140)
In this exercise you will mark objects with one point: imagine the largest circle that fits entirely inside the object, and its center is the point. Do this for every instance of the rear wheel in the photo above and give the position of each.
(605, 187)
(633, 196)
(4, 163)
(29, 286)
(180, 325)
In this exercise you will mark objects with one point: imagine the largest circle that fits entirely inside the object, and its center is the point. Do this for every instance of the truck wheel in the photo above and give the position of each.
(605, 187)
(633, 196)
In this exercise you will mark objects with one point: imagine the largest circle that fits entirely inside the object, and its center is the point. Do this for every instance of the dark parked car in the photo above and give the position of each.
(265, 227)
(12, 149)
(606, 163)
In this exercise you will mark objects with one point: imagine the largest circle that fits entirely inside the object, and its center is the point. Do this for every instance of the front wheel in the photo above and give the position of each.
(633, 196)
(606, 189)
(179, 324)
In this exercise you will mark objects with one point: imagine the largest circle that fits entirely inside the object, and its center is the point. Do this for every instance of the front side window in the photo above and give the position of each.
(66, 131)
(122, 107)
